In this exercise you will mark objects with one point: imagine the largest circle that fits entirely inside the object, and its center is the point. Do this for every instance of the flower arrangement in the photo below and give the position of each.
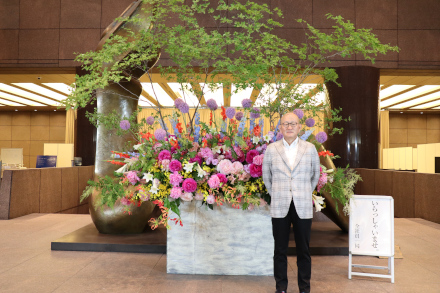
(215, 163)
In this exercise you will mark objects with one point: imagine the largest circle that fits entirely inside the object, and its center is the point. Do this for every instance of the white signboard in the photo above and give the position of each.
(372, 225)
(371, 231)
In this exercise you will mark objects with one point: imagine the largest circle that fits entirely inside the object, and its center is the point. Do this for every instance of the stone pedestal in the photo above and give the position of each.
(223, 241)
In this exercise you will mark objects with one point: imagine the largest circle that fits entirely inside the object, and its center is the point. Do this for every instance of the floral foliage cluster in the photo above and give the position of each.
(215, 163)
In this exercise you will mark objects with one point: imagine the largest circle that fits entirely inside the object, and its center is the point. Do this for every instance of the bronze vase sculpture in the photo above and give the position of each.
(123, 98)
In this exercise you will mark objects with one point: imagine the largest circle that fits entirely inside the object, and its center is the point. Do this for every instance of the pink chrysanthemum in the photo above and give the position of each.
(189, 185)
(176, 192)
(250, 156)
(258, 160)
(175, 166)
(164, 155)
(214, 181)
(255, 170)
(175, 179)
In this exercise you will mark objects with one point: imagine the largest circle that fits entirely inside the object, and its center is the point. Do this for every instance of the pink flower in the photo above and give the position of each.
(164, 155)
(258, 160)
(176, 192)
(262, 202)
(231, 179)
(175, 166)
(144, 195)
(175, 179)
(238, 151)
(199, 196)
(250, 156)
(225, 167)
(194, 147)
(206, 153)
(322, 181)
(187, 196)
(210, 199)
(250, 207)
(132, 177)
(222, 178)
(244, 176)
(214, 181)
(189, 185)
(166, 165)
(237, 167)
(125, 201)
(256, 170)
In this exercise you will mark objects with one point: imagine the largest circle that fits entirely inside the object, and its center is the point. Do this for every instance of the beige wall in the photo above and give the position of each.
(409, 130)
(30, 130)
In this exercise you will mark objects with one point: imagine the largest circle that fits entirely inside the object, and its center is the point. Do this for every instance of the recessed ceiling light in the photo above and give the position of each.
(16, 110)
(421, 112)
(35, 110)
(401, 112)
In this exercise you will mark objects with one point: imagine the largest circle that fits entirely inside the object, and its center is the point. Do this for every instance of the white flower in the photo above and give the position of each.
(267, 138)
(200, 171)
(122, 169)
(154, 189)
(188, 167)
(255, 139)
(319, 202)
(217, 149)
(137, 146)
(148, 176)
(156, 182)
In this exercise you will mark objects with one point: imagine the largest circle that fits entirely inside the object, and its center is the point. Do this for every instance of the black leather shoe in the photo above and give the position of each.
(278, 291)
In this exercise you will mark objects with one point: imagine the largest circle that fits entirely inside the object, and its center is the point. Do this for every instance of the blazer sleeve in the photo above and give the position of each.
(315, 168)
(267, 172)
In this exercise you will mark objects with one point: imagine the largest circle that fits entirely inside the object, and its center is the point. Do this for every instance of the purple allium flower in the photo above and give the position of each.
(250, 156)
(230, 112)
(150, 120)
(299, 113)
(239, 115)
(321, 137)
(175, 179)
(178, 102)
(246, 103)
(132, 177)
(279, 136)
(214, 181)
(310, 122)
(176, 192)
(124, 124)
(184, 108)
(256, 170)
(189, 185)
(255, 113)
(212, 104)
(210, 199)
(160, 134)
(175, 166)
(164, 155)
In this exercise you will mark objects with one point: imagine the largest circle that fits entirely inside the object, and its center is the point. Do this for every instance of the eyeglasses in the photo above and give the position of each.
(285, 124)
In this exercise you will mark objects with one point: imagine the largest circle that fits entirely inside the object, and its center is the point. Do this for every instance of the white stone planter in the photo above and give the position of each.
(223, 241)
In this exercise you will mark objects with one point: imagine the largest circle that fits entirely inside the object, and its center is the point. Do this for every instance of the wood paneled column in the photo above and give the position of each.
(358, 97)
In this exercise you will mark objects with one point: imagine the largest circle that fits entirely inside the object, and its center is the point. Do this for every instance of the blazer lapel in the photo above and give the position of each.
(300, 153)
(280, 148)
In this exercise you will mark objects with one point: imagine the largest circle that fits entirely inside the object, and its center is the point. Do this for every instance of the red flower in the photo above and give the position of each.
(224, 114)
(257, 130)
(179, 127)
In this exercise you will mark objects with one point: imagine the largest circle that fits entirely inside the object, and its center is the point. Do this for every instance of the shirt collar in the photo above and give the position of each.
(294, 143)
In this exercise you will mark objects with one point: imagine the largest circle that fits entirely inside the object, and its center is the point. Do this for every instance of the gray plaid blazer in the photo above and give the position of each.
(283, 184)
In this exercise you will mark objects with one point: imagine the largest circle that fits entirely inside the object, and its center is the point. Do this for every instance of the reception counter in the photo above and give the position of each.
(46, 190)
(415, 194)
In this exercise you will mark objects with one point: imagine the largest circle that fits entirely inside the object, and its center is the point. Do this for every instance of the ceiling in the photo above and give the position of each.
(398, 92)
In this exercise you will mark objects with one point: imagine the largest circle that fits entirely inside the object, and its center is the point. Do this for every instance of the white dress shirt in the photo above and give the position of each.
(291, 151)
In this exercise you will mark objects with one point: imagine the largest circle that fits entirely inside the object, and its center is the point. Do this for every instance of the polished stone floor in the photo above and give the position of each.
(27, 264)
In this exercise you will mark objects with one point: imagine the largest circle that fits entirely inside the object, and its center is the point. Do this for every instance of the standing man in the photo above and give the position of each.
(291, 173)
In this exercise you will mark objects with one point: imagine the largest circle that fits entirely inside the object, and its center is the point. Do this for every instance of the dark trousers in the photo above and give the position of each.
(281, 231)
